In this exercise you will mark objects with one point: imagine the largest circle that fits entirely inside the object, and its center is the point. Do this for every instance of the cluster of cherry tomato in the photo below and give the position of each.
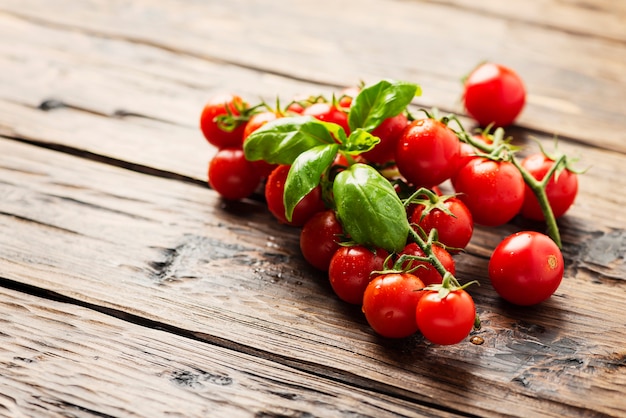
(363, 177)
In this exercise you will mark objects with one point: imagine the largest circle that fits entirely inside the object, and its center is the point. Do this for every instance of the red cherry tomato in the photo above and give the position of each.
(255, 122)
(388, 132)
(454, 229)
(274, 196)
(426, 152)
(327, 112)
(494, 94)
(319, 239)
(347, 95)
(389, 304)
(468, 152)
(211, 129)
(350, 271)
(446, 320)
(426, 271)
(561, 190)
(492, 190)
(526, 268)
(231, 175)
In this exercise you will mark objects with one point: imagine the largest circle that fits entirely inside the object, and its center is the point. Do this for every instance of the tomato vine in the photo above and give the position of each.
(318, 151)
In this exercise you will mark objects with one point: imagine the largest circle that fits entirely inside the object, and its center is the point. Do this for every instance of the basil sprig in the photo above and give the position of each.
(369, 208)
(366, 203)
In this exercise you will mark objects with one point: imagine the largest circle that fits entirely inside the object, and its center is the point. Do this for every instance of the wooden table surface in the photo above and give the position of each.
(129, 289)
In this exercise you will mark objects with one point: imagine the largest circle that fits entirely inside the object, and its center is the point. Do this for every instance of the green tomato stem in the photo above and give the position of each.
(539, 189)
(426, 247)
(422, 191)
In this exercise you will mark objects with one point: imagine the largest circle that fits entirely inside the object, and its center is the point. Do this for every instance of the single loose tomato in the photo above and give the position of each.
(274, 196)
(231, 175)
(494, 94)
(450, 217)
(426, 271)
(526, 268)
(426, 152)
(445, 320)
(319, 239)
(561, 189)
(350, 271)
(389, 304)
(214, 132)
(492, 190)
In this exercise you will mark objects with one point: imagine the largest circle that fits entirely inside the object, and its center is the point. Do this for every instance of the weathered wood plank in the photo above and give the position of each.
(427, 43)
(59, 358)
(166, 251)
(596, 18)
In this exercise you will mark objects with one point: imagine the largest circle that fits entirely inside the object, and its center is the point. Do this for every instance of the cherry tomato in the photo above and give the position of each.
(454, 230)
(255, 122)
(231, 175)
(388, 132)
(389, 304)
(295, 108)
(494, 94)
(561, 190)
(468, 152)
(219, 105)
(526, 268)
(350, 271)
(492, 190)
(274, 196)
(327, 112)
(426, 271)
(347, 95)
(319, 239)
(445, 320)
(426, 152)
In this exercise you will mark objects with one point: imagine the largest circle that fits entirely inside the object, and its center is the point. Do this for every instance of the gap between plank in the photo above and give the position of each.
(317, 370)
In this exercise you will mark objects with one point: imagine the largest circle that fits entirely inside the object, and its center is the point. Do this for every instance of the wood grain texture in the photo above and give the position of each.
(348, 45)
(165, 251)
(60, 360)
(128, 288)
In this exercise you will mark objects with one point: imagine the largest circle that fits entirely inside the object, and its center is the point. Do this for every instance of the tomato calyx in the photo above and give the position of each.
(449, 284)
(233, 118)
(430, 200)
(500, 149)
(495, 146)
(561, 160)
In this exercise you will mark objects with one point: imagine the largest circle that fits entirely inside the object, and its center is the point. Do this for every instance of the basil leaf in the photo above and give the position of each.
(380, 101)
(281, 141)
(369, 208)
(359, 141)
(305, 174)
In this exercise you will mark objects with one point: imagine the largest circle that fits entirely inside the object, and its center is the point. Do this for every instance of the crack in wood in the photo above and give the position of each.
(34, 221)
(88, 155)
(311, 368)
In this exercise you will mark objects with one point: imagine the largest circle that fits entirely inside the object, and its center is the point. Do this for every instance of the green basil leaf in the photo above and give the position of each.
(369, 208)
(359, 141)
(305, 174)
(380, 101)
(282, 140)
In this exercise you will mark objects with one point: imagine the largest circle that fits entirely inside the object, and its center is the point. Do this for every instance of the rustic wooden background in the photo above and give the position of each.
(128, 288)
